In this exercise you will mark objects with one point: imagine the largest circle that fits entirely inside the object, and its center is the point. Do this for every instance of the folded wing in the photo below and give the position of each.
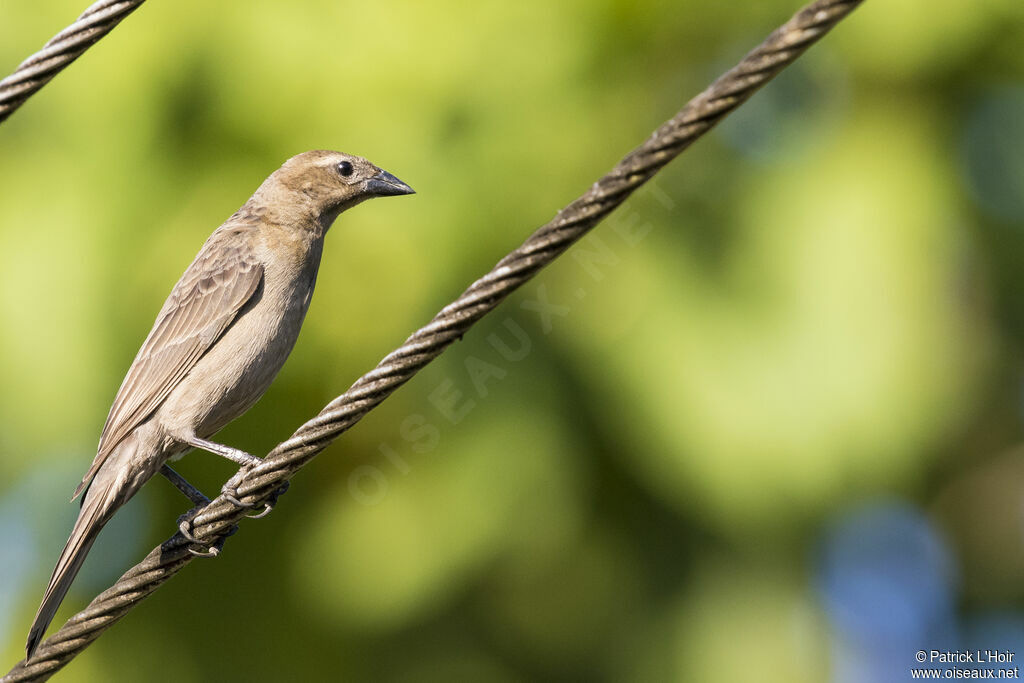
(201, 307)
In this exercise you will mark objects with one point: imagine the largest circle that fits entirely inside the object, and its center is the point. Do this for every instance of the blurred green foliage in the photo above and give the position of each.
(815, 306)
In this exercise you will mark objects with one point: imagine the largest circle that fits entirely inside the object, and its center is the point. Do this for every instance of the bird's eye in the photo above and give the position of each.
(345, 168)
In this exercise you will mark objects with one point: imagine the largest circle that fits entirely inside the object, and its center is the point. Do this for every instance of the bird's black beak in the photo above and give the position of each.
(383, 184)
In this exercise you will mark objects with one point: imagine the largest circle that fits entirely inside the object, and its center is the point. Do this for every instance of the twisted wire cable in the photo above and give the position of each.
(260, 484)
(65, 47)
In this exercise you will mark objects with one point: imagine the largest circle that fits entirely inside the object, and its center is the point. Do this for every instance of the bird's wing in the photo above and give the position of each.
(201, 306)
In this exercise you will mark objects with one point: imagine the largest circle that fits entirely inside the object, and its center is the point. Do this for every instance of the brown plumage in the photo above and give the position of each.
(218, 342)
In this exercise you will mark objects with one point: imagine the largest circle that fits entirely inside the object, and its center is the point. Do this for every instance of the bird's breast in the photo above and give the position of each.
(240, 366)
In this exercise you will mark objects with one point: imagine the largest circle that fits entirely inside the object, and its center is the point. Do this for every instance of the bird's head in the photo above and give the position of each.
(326, 183)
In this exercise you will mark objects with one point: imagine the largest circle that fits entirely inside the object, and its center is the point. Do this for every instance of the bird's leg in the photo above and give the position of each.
(229, 490)
(194, 494)
(232, 454)
(235, 455)
(185, 521)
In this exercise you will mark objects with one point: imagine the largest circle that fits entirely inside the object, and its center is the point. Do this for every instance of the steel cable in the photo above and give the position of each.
(61, 50)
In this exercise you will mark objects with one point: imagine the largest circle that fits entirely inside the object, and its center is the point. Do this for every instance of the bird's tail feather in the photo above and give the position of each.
(98, 506)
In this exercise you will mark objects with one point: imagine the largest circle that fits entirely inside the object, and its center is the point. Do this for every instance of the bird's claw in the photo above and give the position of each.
(271, 502)
(185, 524)
(234, 501)
(185, 529)
(267, 507)
(212, 551)
(229, 492)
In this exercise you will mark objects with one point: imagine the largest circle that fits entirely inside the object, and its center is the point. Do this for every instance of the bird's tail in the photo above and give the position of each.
(103, 497)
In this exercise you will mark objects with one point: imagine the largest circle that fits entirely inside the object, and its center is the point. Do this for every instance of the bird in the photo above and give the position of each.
(217, 343)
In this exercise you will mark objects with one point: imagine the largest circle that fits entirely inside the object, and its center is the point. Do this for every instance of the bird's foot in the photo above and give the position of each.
(185, 524)
(272, 501)
(185, 528)
(230, 493)
(230, 489)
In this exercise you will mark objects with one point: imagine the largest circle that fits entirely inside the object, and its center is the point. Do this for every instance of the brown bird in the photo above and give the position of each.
(217, 343)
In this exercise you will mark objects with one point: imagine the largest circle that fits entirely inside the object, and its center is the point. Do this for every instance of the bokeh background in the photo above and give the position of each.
(772, 432)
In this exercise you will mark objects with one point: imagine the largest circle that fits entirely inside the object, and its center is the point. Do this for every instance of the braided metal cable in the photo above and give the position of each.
(61, 50)
(259, 484)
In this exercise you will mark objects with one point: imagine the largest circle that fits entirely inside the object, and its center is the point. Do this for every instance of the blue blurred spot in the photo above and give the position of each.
(19, 555)
(885, 571)
(993, 152)
(888, 584)
(781, 120)
(35, 520)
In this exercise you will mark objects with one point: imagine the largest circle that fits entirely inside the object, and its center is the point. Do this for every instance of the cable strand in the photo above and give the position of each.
(65, 47)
